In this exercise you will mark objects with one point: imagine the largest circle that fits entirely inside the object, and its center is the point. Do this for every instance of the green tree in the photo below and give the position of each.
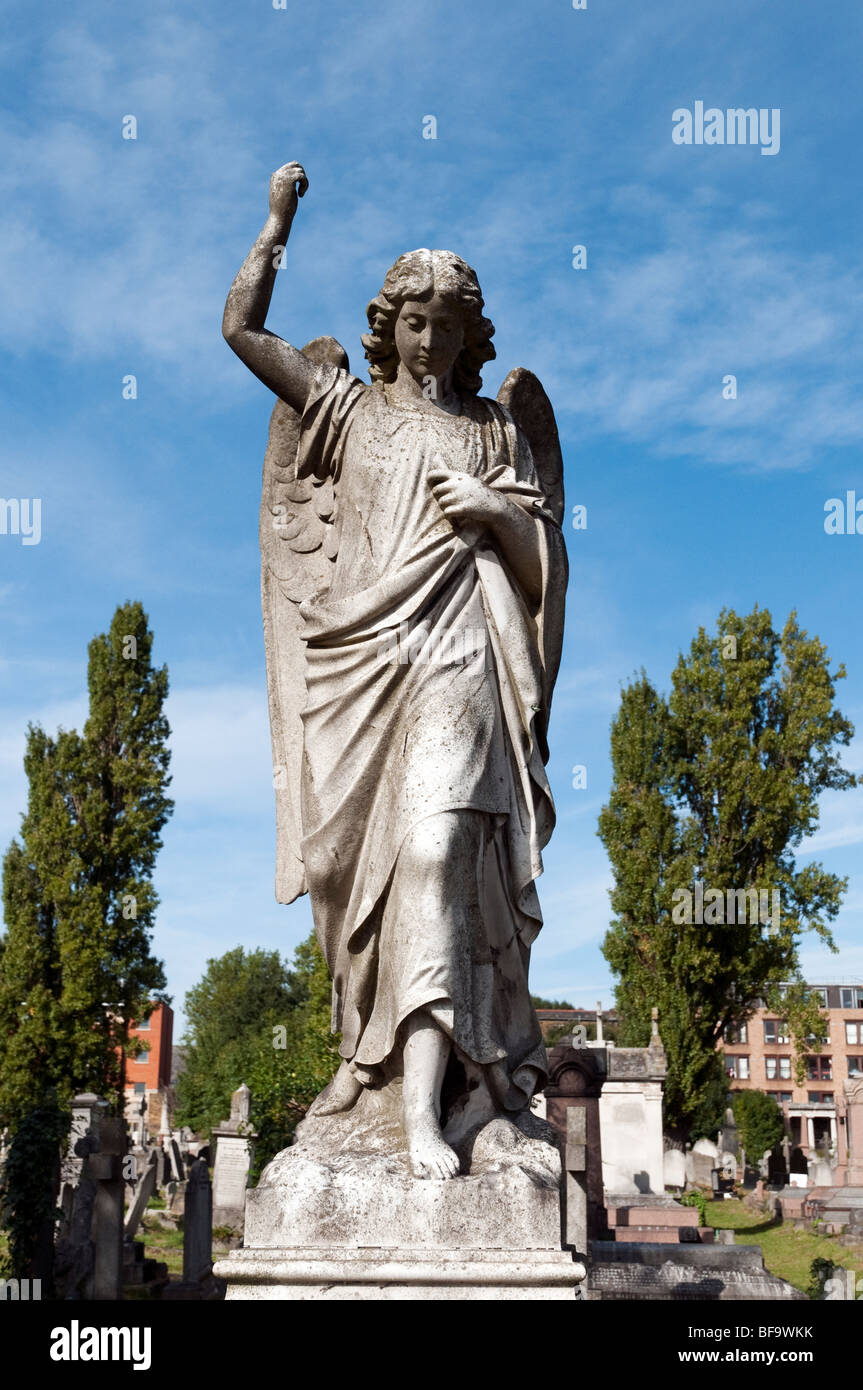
(78, 898)
(293, 1066)
(235, 1006)
(254, 1019)
(759, 1122)
(718, 784)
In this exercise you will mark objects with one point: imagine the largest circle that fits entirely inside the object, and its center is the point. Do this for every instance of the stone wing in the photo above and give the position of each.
(523, 396)
(297, 550)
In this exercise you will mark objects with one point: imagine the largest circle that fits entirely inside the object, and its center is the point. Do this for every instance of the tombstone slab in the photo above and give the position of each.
(234, 1151)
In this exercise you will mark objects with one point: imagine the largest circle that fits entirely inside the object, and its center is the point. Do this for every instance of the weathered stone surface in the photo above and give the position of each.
(396, 1273)
(413, 628)
(198, 1225)
(234, 1149)
(352, 1225)
(146, 1188)
(674, 1168)
(700, 1272)
(412, 801)
(510, 1200)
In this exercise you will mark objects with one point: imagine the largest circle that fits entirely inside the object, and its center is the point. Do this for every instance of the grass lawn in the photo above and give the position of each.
(163, 1245)
(787, 1253)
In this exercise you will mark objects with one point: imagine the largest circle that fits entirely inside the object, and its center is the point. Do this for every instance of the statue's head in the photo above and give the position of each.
(429, 315)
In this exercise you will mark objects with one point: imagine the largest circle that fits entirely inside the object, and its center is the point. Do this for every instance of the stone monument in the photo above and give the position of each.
(413, 579)
(853, 1099)
(233, 1159)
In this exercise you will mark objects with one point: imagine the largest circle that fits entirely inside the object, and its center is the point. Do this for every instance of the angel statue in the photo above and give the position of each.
(413, 584)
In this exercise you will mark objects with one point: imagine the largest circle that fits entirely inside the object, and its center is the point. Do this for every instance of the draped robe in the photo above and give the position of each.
(427, 693)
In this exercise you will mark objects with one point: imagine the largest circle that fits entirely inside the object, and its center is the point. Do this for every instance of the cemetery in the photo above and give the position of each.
(641, 1218)
(430, 620)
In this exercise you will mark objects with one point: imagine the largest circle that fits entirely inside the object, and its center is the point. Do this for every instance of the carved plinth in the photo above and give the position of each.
(351, 1226)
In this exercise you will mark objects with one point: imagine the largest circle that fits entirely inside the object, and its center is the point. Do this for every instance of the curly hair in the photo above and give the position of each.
(415, 275)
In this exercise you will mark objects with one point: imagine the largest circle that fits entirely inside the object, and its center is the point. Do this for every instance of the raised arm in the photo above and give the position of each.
(281, 367)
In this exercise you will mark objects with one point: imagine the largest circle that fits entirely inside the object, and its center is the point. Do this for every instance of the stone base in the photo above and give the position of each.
(316, 1272)
(350, 1225)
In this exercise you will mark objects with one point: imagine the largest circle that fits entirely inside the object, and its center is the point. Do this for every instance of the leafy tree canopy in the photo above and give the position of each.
(759, 1122)
(716, 785)
(253, 1019)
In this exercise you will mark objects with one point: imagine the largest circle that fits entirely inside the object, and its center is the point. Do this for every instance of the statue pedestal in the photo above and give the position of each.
(351, 1226)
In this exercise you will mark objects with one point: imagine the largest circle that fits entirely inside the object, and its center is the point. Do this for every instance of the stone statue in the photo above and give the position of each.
(413, 583)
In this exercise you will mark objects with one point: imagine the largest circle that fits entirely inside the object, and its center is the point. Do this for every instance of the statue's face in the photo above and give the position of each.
(429, 336)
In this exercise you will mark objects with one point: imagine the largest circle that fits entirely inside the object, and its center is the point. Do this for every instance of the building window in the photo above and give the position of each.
(143, 1057)
(736, 1033)
(855, 1066)
(737, 1068)
(820, 1097)
(820, 995)
(140, 1088)
(853, 1033)
(777, 1067)
(781, 1097)
(776, 1031)
(143, 1026)
(819, 1068)
(851, 998)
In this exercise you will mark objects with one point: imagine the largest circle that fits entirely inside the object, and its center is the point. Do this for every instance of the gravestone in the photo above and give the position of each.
(674, 1168)
(105, 1167)
(146, 1188)
(233, 1159)
(198, 1225)
(86, 1110)
(175, 1197)
(701, 1159)
(73, 1256)
(728, 1139)
(175, 1160)
(821, 1173)
(89, 1252)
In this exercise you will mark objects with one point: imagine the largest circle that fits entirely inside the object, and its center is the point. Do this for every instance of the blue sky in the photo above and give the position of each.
(553, 129)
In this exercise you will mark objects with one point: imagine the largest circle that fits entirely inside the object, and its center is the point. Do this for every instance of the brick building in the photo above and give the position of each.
(148, 1076)
(759, 1056)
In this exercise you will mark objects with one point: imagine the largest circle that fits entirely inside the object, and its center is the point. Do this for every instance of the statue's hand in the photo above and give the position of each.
(283, 189)
(464, 499)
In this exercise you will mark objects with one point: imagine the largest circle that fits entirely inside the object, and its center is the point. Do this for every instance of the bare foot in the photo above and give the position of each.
(430, 1157)
(342, 1092)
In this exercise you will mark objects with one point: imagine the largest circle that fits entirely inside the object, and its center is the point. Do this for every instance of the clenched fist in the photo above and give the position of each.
(284, 189)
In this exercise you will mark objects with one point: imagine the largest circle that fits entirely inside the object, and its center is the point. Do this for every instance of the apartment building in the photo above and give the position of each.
(759, 1056)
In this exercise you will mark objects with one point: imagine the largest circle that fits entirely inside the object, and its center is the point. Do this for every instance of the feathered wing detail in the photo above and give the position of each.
(523, 397)
(297, 548)
(522, 394)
